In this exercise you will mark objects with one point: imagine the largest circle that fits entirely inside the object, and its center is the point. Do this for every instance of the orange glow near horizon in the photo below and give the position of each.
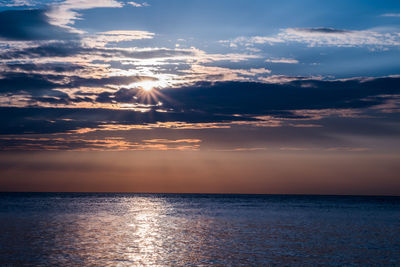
(261, 172)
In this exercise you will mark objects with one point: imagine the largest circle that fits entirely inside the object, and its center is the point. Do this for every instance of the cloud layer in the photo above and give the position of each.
(76, 87)
(322, 36)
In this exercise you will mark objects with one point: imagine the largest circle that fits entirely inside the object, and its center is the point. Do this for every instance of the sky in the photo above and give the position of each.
(200, 96)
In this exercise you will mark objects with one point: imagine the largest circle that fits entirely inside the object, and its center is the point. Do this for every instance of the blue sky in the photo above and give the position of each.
(217, 27)
(204, 24)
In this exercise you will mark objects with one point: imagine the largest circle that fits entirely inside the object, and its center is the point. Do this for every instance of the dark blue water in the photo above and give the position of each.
(191, 230)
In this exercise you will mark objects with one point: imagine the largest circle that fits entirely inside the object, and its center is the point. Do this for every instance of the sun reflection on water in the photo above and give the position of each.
(139, 231)
(159, 230)
(145, 221)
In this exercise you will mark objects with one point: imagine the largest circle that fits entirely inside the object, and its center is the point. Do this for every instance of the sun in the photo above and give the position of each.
(146, 86)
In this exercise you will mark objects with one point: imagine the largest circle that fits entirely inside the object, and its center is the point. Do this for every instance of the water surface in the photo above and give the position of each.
(183, 229)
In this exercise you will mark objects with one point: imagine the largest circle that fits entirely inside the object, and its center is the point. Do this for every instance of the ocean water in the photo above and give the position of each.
(198, 230)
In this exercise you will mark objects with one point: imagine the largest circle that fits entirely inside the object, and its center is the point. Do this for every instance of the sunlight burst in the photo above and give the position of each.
(146, 85)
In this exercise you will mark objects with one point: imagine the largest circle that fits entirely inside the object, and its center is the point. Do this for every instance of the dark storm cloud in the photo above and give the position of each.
(37, 84)
(113, 80)
(26, 25)
(26, 144)
(52, 100)
(59, 49)
(54, 67)
(249, 98)
(28, 83)
(122, 96)
(322, 30)
(252, 99)
(60, 120)
(74, 48)
(200, 103)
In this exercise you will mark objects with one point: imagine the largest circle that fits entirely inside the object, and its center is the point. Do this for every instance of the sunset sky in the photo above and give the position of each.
(227, 96)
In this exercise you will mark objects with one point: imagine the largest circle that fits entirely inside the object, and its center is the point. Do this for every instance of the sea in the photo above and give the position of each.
(93, 229)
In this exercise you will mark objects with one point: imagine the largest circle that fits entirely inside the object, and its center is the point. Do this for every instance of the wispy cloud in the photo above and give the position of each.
(65, 13)
(324, 37)
(104, 38)
(136, 4)
(199, 72)
(18, 3)
(348, 149)
(282, 79)
(253, 40)
(169, 141)
(283, 60)
(29, 25)
(84, 144)
(336, 37)
(243, 149)
(391, 15)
